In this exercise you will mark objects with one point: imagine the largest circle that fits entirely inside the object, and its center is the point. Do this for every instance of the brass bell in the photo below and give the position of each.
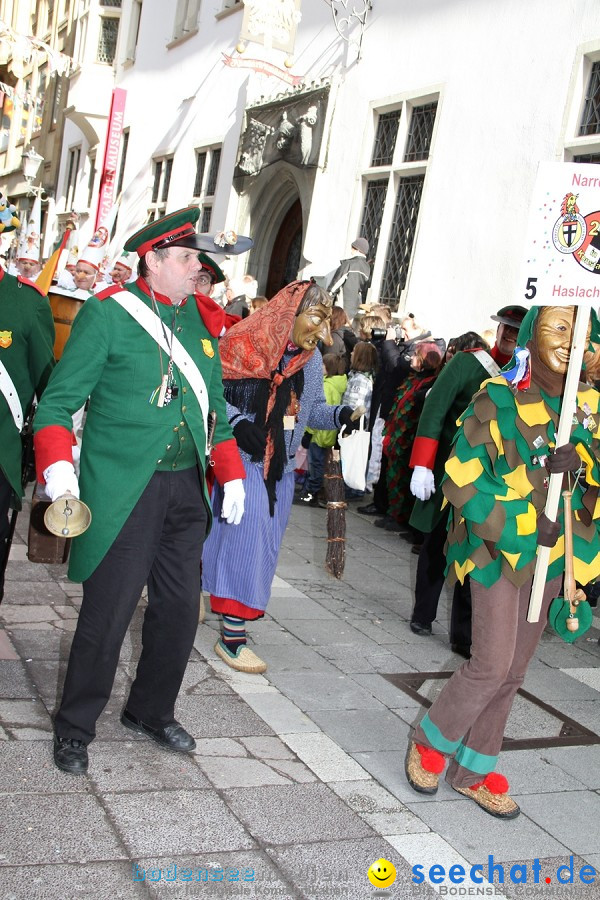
(572, 623)
(67, 516)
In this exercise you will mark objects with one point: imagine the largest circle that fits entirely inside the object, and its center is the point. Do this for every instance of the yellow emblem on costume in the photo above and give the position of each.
(5, 338)
(208, 348)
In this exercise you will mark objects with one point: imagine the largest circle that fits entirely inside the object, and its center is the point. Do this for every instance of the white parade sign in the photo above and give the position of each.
(562, 248)
(562, 268)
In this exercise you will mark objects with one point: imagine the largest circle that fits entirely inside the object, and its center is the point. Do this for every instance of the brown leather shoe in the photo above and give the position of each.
(491, 795)
(423, 767)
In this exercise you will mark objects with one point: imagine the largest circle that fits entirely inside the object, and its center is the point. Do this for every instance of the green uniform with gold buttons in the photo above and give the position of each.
(127, 437)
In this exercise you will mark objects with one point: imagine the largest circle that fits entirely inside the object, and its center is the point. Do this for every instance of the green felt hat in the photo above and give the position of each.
(559, 613)
(528, 324)
(175, 230)
(210, 265)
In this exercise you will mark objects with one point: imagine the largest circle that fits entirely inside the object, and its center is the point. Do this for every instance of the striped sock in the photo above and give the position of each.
(233, 632)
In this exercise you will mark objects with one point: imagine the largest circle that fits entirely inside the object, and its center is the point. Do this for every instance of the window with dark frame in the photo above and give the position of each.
(213, 173)
(200, 167)
(420, 132)
(402, 237)
(415, 122)
(205, 219)
(590, 119)
(72, 170)
(370, 225)
(385, 138)
(107, 42)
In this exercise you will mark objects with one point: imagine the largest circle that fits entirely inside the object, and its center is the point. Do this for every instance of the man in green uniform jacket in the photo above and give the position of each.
(26, 361)
(447, 400)
(147, 357)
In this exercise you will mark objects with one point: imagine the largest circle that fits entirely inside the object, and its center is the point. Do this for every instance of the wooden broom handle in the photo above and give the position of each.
(569, 574)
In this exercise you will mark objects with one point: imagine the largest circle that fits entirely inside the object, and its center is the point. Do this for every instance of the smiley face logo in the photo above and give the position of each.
(382, 873)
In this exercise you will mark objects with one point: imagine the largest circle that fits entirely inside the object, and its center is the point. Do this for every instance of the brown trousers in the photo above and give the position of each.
(472, 709)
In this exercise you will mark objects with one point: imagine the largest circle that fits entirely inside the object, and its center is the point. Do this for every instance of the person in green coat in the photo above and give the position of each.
(147, 357)
(449, 397)
(26, 361)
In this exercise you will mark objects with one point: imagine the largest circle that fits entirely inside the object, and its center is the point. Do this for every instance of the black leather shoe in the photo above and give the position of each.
(418, 628)
(461, 650)
(369, 510)
(70, 755)
(171, 737)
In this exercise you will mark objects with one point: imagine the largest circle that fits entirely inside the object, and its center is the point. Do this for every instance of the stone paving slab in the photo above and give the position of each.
(247, 873)
(219, 716)
(140, 766)
(324, 757)
(94, 881)
(311, 691)
(57, 828)
(168, 822)
(475, 834)
(291, 814)
(583, 763)
(339, 869)
(15, 681)
(362, 730)
(572, 817)
(27, 768)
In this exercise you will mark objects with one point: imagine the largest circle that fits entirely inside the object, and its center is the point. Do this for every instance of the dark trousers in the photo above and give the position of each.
(316, 468)
(5, 498)
(159, 545)
(429, 584)
(380, 491)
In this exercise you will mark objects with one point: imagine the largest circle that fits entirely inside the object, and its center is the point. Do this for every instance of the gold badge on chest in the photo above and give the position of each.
(5, 338)
(208, 348)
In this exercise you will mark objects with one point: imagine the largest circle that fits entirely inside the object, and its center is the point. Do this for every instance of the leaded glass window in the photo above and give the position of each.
(590, 120)
(420, 132)
(587, 158)
(107, 43)
(200, 166)
(402, 238)
(206, 217)
(213, 173)
(373, 213)
(385, 138)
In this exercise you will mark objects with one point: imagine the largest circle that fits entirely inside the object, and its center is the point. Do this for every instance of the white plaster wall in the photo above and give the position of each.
(503, 71)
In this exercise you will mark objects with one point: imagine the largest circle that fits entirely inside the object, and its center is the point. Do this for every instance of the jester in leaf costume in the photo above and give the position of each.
(496, 482)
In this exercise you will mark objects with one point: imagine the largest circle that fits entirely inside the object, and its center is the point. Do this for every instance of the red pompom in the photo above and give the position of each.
(431, 760)
(496, 783)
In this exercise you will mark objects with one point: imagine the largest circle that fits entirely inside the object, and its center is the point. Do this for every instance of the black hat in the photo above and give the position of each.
(226, 243)
(511, 315)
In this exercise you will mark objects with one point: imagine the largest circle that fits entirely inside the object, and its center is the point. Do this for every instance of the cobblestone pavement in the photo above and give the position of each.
(297, 784)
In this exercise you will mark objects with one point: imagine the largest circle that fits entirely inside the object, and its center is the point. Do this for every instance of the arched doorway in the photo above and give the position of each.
(287, 251)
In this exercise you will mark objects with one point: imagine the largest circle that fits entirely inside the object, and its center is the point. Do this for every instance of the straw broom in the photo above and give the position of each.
(335, 492)
(335, 558)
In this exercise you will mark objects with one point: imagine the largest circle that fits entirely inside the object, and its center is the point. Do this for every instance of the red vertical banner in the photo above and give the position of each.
(114, 133)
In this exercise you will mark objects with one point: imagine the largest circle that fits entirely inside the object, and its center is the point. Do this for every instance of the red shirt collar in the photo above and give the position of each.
(160, 298)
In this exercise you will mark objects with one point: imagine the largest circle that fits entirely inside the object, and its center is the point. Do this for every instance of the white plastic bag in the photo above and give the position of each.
(354, 453)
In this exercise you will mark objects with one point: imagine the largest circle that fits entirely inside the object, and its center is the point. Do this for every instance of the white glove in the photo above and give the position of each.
(61, 479)
(232, 508)
(422, 485)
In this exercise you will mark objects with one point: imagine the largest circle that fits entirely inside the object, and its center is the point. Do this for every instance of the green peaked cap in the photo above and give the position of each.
(175, 230)
(209, 264)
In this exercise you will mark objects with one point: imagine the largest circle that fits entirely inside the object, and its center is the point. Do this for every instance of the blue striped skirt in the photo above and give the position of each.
(239, 561)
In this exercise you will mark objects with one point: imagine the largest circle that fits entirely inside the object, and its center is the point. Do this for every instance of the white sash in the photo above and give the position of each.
(488, 362)
(8, 389)
(152, 323)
